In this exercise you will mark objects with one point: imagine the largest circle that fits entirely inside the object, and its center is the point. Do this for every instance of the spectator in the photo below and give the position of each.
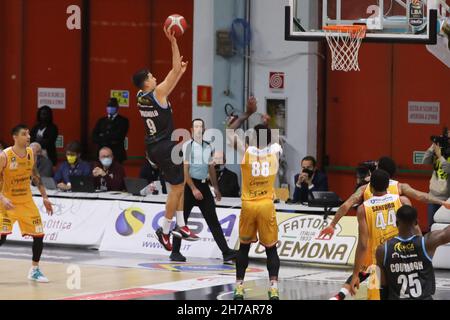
(108, 174)
(439, 183)
(74, 166)
(151, 173)
(43, 164)
(309, 180)
(227, 179)
(45, 132)
(111, 131)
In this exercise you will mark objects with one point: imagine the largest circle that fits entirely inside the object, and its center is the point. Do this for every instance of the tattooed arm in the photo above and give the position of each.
(36, 177)
(407, 190)
(355, 199)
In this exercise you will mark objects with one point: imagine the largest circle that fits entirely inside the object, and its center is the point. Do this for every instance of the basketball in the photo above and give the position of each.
(176, 23)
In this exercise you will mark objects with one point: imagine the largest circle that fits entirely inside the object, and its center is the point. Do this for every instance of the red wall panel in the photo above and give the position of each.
(11, 25)
(368, 112)
(39, 50)
(358, 109)
(51, 59)
(125, 39)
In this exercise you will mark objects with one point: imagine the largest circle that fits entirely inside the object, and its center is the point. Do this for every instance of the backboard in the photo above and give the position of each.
(395, 21)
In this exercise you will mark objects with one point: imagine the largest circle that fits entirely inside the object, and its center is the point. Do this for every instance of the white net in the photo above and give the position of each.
(344, 43)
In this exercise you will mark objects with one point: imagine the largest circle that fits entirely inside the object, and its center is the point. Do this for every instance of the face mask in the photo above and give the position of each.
(44, 117)
(106, 162)
(71, 159)
(111, 110)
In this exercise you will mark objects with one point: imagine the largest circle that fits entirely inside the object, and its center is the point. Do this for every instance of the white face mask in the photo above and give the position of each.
(106, 162)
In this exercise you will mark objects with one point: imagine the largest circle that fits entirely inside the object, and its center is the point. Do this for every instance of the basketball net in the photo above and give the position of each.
(344, 42)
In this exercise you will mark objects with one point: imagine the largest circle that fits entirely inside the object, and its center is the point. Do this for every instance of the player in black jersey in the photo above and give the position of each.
(405, 261)
(156, 112)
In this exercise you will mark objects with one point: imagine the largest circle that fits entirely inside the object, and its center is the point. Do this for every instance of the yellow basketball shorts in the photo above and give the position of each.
(258, 220)
(28, 216)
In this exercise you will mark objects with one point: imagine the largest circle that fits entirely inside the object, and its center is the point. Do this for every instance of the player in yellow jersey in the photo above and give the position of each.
(17, 169)
(376, 224)
(258, 220)
(364, 193)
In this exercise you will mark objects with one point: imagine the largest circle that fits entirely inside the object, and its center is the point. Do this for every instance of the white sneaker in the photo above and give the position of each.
(35, 274)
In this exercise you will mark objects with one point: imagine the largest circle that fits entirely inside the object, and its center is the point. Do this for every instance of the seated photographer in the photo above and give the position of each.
(108, 174)
(438, 155)
(309, 180)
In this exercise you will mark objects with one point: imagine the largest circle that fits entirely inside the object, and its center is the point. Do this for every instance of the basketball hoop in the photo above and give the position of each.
(344, 42)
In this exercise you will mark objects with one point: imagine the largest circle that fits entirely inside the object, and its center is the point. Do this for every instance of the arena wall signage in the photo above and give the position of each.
(74, 222)
(298, 240)
(132, 227)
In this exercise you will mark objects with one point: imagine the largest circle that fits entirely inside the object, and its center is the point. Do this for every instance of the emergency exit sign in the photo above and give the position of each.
(418, 157)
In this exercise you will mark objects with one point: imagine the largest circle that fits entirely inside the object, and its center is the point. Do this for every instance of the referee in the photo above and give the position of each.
(197, 164)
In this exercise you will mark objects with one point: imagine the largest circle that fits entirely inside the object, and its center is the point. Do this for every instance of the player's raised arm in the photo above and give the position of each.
(233, 139)
(163, 90)
(407, 190)
(361, 249)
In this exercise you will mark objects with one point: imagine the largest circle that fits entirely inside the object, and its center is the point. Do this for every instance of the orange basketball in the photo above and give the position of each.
(176, 23)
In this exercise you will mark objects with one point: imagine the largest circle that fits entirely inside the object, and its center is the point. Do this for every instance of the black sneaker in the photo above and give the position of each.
(229, 256)
(178, 257)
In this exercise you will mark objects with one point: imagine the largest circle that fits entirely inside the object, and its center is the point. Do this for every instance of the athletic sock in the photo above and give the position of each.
(274, 284)
(180, 219)
(166, 225)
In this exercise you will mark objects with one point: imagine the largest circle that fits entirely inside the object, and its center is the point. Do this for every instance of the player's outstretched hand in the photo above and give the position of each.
(354, 285)
(328, 232)
(48, 206)
(170, 35)
(184, 65)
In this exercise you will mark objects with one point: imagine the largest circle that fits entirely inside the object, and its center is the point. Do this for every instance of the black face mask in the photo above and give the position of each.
(44, 116)
(308, 172)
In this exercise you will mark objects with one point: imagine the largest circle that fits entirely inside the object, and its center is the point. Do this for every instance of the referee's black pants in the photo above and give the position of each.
(208, 208)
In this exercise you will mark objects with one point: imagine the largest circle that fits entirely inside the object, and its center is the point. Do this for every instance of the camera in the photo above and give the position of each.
(308, 172)
(443, 142)
(363, 171)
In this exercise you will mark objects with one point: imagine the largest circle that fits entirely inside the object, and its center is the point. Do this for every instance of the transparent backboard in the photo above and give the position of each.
(402, 21)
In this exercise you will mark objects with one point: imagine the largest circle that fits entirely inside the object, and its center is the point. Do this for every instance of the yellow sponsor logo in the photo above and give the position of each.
(402, 247)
